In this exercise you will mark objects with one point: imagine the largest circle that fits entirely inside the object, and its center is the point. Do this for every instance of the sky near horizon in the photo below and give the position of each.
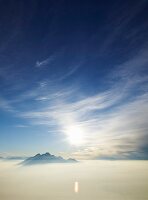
(74, 78)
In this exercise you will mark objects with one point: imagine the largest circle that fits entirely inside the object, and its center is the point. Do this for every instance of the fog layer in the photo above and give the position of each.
(105, 180)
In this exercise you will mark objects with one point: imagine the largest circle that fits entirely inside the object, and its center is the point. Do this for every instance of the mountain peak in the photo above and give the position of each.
(37, 155)
(46, 158)
(47, 154)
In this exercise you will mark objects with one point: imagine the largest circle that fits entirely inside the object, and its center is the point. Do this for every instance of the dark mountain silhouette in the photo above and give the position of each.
(46, 158)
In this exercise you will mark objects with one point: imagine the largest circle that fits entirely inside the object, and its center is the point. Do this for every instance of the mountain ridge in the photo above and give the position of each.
(47, 158)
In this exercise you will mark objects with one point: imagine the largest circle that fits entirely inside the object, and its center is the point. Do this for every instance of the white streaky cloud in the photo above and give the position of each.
(109, 124)
(122, 20)
(108, 133)
(118, 134)
(42, 92)
(45, 62)
(6, 105)
(49, 60)
(49, 94)
(78, 108)
(21, 126)
(132, 67)
(42, 98)
(43, 84)
(112, 123)
(70, 71)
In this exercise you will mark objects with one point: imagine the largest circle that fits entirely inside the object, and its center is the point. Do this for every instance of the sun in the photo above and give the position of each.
(75, 135)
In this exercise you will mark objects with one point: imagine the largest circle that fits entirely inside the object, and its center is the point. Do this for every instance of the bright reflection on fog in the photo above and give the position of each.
(76, 187)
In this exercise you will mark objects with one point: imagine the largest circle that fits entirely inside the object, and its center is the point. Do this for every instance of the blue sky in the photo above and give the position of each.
(73, 78)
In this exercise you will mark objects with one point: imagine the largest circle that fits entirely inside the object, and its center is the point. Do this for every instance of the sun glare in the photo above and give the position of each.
(75, 135)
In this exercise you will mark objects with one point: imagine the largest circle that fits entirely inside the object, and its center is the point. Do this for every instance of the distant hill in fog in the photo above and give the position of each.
(15, 158)
(47, 158)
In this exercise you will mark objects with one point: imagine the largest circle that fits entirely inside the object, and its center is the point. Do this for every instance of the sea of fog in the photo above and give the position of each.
(88, 180)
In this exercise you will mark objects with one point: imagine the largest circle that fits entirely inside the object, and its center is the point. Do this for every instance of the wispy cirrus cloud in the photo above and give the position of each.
(21, 126)
(112, 123)
(6, 105)
(45, 62)
(116, 134)
(106, 134)
(120, 20)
